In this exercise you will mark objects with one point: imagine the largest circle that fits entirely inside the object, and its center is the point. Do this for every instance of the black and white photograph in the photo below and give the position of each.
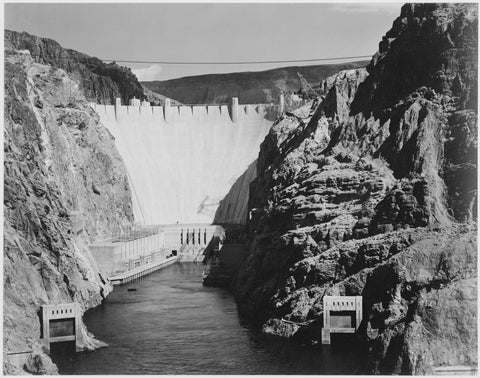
(240, 188)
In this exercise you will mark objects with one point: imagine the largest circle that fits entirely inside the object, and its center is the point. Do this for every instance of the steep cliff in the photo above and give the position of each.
(375, 194)
(61, 169)
(99, 82)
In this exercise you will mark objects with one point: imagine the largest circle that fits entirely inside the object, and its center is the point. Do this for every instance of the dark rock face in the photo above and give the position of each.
(375, 194)
(99, 82)
(56, 153)
(430, 46)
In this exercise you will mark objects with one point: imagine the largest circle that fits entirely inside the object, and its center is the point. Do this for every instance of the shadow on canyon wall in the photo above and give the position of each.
(234, 205)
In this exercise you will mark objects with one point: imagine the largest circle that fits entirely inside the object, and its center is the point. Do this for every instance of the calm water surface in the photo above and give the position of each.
(173, 324)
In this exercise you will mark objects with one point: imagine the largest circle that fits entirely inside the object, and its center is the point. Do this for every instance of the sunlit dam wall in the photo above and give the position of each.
(183, 160)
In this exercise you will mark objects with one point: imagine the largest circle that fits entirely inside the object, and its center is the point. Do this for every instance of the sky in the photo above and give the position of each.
(207, 32)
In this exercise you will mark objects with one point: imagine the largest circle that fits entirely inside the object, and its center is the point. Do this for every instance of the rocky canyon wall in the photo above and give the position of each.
(61, 167)
(375, 194)
(98, 81)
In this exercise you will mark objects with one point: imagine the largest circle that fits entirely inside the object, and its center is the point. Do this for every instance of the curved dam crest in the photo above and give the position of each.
(182, 161)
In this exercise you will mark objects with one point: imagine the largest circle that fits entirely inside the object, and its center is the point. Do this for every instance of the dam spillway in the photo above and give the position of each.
(182, 161)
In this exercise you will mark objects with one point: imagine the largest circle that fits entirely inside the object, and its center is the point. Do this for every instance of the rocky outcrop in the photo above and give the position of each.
(97, 81)
(61, 169)
(374, 193)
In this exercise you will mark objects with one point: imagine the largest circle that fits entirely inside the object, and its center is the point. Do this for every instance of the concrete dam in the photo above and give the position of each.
(184, 161)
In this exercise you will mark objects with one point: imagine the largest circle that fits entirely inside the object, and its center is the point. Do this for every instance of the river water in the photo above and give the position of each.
(173, 324)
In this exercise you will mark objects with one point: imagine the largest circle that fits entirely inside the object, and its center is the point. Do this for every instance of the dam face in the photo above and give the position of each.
(183, 160)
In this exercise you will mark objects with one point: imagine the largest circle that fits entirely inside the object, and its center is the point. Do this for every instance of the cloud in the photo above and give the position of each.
(148, 73)
(367, 7)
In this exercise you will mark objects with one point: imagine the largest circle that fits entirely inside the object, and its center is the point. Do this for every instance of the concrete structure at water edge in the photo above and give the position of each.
(61, 323)
(127, 257)
(189, 241)
(143, 251)
(183, 160)
(341, 314)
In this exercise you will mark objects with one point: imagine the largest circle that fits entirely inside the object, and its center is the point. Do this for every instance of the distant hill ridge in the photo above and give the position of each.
(249, 87)
(103, 82)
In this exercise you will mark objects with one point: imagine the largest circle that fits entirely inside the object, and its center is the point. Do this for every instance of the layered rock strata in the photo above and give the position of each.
(375, 194)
